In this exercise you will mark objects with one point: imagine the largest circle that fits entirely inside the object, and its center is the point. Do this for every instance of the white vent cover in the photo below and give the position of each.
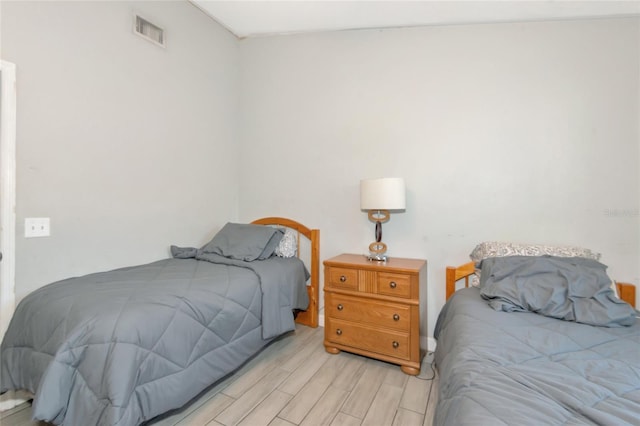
(149, 31)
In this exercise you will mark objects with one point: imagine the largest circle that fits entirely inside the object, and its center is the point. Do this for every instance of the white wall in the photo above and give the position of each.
(521, 132)
(126, 146)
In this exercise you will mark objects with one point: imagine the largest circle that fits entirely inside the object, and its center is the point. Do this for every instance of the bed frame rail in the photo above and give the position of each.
(456, 273)
(627, 292)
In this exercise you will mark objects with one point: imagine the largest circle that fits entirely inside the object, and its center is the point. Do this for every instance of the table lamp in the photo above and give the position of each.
(379, 197)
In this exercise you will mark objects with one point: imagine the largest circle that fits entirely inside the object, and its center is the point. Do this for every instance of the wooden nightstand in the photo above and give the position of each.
(374, 308)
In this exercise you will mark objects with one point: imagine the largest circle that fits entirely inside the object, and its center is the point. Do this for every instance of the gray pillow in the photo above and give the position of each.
(272, 245)
(183, 252)
(571, 289)
(246, 242)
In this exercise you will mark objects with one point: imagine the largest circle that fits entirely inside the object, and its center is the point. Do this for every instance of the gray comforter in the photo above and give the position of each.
(500, 368)
(120, 347)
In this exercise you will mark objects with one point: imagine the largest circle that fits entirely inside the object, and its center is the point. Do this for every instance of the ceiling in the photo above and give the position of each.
(246, 18)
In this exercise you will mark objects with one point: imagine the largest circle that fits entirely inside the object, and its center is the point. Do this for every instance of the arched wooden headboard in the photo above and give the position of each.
(310, 316)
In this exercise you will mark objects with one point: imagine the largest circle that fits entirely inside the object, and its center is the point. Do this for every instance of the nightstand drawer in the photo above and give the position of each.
(384, 342)
(385, 314)
(343, 278)
(398, 285)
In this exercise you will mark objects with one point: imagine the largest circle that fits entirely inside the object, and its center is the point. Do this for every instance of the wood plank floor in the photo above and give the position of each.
(295, 382)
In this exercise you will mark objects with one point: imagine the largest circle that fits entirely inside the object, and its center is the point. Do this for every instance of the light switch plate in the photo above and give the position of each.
(37, 227)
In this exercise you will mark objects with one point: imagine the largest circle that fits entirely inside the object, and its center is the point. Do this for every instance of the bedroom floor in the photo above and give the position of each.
(295, 382)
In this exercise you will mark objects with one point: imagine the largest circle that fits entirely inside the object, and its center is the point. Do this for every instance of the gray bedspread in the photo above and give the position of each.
(520, 368)
(120, 347)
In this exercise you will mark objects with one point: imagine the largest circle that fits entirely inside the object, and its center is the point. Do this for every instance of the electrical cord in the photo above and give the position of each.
(427, 360)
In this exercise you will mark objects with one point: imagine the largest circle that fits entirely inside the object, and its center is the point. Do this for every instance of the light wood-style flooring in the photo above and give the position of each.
(295, 382)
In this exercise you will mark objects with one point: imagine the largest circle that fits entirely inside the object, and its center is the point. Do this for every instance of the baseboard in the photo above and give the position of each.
(431, 344)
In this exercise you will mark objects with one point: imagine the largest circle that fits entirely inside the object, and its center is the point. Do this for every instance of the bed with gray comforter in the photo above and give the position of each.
(542, 341)
(120, 347)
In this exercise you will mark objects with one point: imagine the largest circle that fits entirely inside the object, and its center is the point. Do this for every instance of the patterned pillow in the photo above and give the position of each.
(475, 279)
(288, 244)
(489, 249)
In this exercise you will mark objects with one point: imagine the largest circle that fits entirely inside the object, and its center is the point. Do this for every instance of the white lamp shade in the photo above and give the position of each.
(382, 194)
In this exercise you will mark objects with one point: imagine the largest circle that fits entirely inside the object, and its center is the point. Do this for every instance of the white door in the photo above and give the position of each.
(7, 206)
(7, 191)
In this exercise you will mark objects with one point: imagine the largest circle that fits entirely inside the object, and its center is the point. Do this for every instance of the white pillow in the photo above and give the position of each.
(288, 246)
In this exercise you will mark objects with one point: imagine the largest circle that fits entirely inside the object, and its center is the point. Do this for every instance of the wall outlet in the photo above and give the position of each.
(37, 227)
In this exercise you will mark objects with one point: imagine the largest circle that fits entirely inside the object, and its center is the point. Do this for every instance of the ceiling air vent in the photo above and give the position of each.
(149, 31)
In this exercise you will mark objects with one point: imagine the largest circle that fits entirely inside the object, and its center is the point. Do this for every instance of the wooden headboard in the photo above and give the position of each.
(626, 291)
(310, 316)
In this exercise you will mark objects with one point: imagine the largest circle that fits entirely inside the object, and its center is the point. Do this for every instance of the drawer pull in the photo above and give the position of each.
(396, 344)
(340, 307)
(396, 317)
(393, 284)
(342, 278)
(339, 333)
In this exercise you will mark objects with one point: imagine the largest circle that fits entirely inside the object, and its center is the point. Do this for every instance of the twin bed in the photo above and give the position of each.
(121, 347)
(542, 339)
